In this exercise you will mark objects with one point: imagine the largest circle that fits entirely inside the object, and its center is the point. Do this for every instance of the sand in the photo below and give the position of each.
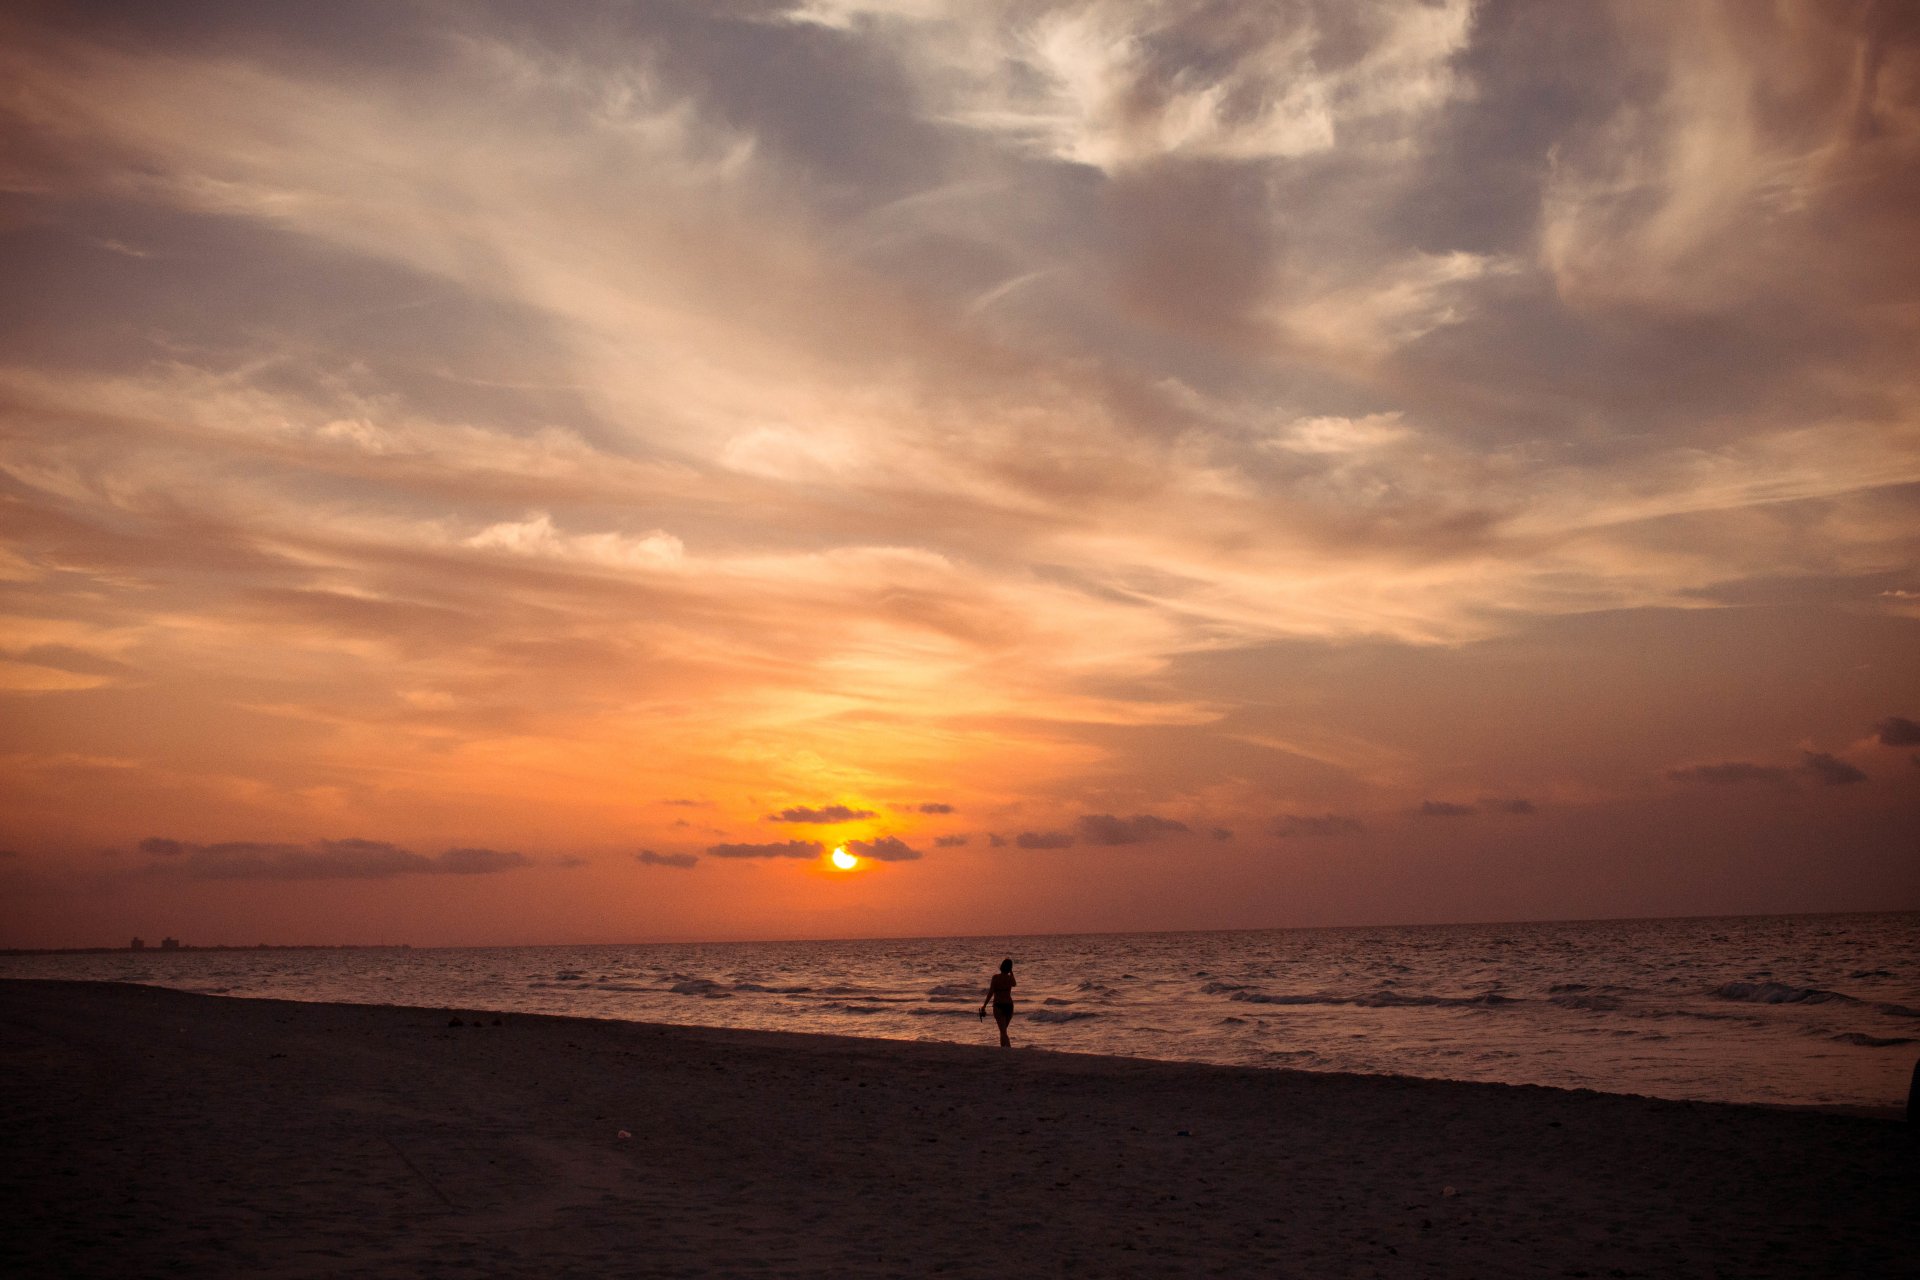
(149, 1132)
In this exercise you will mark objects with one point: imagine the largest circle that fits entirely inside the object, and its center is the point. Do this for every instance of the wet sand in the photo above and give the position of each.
(149, 1132)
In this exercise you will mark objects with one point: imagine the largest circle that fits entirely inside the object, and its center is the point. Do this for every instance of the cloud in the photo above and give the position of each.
(949, 842)
(1043, 840)
(1831, 770)
(827, 816)
(471, 862)
(648, 858)
(1119, 85)
(1443, 809)
(1105, 829)
(352, 859)
(1732, 773)
(884, 849)
(1166, 338)
(783, 849)
(1514, 805)
(1897, 731)
(1291, 825)
(996, 841)
(1220, 833)
(936, 808)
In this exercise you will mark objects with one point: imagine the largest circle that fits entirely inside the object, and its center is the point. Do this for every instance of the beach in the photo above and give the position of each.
(154, 1132)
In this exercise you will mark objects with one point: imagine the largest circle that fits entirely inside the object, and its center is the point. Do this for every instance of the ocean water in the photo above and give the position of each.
(1781, 1009)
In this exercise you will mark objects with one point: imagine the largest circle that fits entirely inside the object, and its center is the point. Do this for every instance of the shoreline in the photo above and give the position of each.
(774, 1037)
(252, 1136)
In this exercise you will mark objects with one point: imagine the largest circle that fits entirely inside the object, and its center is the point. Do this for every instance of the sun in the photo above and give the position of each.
(844, 860)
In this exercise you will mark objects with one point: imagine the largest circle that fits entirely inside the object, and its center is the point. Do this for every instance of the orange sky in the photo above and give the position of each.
(488, 474)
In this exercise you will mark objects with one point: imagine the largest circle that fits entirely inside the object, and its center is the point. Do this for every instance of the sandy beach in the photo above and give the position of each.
(154, 1132)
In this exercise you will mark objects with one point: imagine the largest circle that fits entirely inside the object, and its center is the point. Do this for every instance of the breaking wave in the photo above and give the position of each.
(1776, 993)
(1375, 999)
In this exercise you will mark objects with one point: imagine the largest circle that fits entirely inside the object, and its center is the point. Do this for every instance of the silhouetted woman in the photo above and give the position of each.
(1000, 992)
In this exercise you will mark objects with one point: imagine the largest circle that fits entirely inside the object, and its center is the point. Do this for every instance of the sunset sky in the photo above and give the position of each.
(523, 473)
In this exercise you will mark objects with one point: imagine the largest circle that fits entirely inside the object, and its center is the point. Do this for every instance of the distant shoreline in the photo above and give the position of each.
(167, 951)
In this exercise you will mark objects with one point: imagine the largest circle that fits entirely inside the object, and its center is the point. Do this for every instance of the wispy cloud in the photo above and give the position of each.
(352, 859)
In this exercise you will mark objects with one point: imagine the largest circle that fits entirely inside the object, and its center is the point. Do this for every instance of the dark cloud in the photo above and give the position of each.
(1831, 770)
(1289, 825)
(352, 859)
(1221, 833)
(782, 849)
(936, 808)
(884, 849)
(1731, 773)
(1516, 805)
(1105, 829)
(948, 842)
(1444, 809)
(475, 862)
(570, 862)
(830, 814)
(647, 857)
(1898, 731)
(997, 841)
(1044, 840)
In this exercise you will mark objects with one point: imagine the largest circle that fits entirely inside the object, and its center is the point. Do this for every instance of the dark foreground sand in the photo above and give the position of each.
(149, 1132)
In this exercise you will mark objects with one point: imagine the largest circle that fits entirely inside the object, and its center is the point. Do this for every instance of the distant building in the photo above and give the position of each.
(169, 944)
(138, 944)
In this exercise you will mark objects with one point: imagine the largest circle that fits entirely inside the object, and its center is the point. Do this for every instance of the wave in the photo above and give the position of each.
(1776, 993)
(1866, 1041)
(1061, 1015)
(771, 991)
(1897, 1011)
(1393, 999)
(1595, 1004)
(957, 989)
(701, 987)
(1377, 1000)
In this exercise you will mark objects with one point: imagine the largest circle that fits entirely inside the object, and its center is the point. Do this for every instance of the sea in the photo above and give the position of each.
(1814, 1010)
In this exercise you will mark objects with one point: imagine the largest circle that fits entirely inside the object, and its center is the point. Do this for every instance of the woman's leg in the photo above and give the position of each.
(1003, 1015)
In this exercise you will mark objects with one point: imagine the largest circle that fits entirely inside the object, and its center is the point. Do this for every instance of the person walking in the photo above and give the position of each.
(1000, 994)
